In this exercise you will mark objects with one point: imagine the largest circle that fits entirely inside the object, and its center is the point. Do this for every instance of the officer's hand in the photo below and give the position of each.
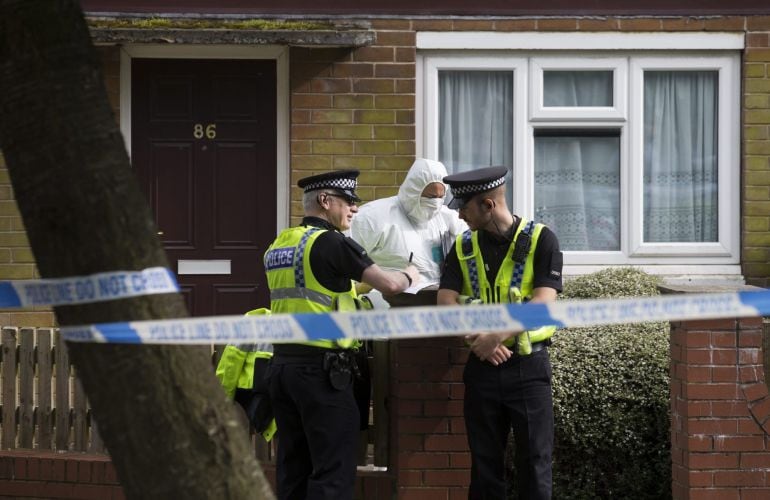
(413, 273)
(501, 355)
(488, 347)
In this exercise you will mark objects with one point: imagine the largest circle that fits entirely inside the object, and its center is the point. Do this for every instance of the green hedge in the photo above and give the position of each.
(611, 399)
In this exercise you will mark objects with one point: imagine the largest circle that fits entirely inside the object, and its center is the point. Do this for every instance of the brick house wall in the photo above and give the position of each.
(755, 222)
(356, 108)
(16, 259)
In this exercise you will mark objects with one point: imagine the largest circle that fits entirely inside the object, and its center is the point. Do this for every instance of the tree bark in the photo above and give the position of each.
(169, 429)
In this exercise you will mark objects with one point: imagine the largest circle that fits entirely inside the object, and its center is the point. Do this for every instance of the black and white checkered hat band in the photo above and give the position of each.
(333, 184)
(461, 191)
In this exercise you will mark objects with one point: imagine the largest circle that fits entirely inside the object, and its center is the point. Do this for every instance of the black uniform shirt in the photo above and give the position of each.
(547, 266)
(335, 258)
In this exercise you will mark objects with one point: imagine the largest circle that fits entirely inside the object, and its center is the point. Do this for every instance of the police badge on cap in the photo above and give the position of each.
(343, 181)
(466, 185)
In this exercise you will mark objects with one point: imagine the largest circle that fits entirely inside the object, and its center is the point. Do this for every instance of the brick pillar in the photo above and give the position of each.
(429, 449)
(719, 410)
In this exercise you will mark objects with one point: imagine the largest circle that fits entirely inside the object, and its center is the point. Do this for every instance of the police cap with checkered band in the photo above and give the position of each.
(466, 185)
(342, 181)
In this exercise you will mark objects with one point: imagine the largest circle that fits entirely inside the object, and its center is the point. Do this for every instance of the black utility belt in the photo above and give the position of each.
(537, 346)
(303, 350)
(339, 364)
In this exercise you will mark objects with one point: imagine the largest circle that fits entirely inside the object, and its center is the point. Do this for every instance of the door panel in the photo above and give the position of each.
(172, 185)
(234, 299)
(204, 150)
(233, 176)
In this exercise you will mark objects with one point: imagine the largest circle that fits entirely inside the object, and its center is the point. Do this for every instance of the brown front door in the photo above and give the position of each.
(203, 136)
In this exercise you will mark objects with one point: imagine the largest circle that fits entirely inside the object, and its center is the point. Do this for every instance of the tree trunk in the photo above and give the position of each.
(165, 420)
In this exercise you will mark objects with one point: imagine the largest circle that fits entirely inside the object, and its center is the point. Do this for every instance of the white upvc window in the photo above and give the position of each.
(580, 88)
(631, 157)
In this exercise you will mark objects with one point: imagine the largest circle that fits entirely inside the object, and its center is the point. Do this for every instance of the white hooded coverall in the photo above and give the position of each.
(390, 229)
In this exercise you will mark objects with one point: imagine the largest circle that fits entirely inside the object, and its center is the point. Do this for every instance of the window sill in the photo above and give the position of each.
(674, 274)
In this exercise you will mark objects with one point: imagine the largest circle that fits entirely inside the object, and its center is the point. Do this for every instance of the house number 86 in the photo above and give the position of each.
(210, 131)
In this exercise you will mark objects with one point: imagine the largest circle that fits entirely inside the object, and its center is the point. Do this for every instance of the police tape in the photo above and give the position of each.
(85, 289)
(423, 322)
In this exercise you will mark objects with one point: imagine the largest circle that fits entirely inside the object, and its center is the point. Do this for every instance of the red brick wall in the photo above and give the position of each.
(430, 454)
(719, 410)
(33, 474)
(49, 475)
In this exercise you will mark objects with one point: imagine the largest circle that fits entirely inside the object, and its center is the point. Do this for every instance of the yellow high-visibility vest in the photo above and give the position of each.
(505, 289)
(293, 285)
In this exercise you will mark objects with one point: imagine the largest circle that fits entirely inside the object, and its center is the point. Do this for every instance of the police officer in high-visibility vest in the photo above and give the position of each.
(310, 269)
(503, 258)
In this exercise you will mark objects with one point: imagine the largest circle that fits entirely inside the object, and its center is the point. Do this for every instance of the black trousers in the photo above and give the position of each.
(515, 395)
(317, 432)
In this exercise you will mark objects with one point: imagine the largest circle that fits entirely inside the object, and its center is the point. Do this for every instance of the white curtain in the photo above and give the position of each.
(577, 88)
(577, 176)
(680, 156)
(577, 190)
(475, 120)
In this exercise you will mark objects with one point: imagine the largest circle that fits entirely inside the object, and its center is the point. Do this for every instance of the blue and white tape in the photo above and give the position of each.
(84, 289)
(423, 322)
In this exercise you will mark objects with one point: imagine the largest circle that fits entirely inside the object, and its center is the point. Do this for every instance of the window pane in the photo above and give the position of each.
(577, 188)
(475, 119)
(680, 156)
(577, 88)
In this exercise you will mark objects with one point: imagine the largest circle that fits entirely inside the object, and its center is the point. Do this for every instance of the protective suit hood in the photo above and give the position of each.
(388, 232)
(422, 173)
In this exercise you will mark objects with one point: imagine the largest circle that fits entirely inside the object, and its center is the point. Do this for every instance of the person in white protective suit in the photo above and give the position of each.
(413, 224)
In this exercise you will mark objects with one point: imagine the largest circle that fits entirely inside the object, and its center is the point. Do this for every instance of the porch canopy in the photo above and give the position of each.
(119, 30)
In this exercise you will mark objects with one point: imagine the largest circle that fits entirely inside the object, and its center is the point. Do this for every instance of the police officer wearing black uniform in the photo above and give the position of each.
(503, 258)
(311, 268)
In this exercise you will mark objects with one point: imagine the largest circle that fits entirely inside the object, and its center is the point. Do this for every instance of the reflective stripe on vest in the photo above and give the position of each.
(518, 268)
(502, 291)
(299, 257)
(301, 293)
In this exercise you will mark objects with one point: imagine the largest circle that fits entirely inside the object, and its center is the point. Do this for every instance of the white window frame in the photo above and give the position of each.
(591, 257)
(728, 157)
(535, 52)
(481, 62)
(618, 66)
